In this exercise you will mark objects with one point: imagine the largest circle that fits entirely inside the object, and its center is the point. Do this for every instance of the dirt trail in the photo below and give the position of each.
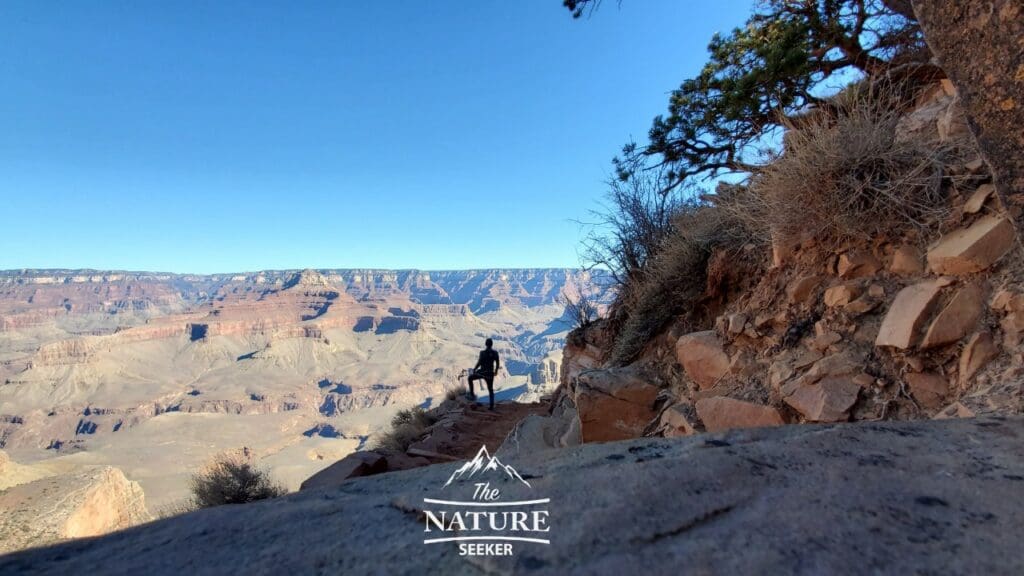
(462, 430)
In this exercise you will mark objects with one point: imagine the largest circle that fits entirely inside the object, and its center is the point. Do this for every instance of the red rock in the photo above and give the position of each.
(957, 319)
(736, 323)
(1001, 300)
(702, 356)
(978, 351)
(977, 200)
(721, 413)
(906, 261)
(928, 389)
(842, 294)
(802, 290)
(827, 401)
(974, 248)
(857, 264)
(675, 421)
(908, 311)
(614, 404)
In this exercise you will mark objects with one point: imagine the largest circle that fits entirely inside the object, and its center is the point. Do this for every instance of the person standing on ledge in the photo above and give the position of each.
(486, 367)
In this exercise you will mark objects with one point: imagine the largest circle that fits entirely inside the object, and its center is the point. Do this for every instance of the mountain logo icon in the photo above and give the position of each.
(482, 463)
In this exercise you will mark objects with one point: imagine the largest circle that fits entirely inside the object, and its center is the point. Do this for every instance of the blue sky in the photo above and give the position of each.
(224, 136)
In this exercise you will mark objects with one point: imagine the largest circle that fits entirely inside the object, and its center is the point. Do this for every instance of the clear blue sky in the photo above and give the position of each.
(224, 136)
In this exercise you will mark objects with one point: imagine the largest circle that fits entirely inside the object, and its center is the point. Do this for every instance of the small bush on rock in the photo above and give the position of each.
(456, 392)
(407, 426)
(232, 479)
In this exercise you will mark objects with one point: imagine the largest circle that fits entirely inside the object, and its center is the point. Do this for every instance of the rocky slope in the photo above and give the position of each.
(904, 326)
(895, 497)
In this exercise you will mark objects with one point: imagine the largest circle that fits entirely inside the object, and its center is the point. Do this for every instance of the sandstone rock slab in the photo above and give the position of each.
(974, 248)
(978, 351)
(977, 200)
(703, 357)
(857, 264)
(842, 294)
(828, 400)
(721, 413)
(614, 404)
(676, 421)
(957, 319)
(907, 313)
(928, 388)
(906, 261)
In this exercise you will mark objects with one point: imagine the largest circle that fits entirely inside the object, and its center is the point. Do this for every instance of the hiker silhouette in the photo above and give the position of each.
(486, 367)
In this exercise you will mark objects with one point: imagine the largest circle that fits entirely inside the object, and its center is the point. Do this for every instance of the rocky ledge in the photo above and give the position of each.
(897, 497)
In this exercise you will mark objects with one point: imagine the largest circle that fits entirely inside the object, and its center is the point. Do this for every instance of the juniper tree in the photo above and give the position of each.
(771, 67)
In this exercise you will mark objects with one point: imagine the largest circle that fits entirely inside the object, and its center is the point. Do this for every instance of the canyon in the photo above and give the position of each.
(154, 374)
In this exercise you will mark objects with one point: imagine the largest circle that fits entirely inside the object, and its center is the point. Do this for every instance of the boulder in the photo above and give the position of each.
(973, 249)
(786, 364)
(866, 303)
(828, 400)
(824, 337)
(929, 389)
(978, 198)
(906, 261)
(828, 389)
(857, 264)
(736, 323)
(957, 319)
(842, 294)
(675, 421)
(802, 290)
(354, 465)
(614, 404)
(721, 413)
(703, 357)
(907, 313)
(978, 351)
(536, 433)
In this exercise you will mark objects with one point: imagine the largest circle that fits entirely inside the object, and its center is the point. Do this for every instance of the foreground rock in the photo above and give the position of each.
(909, 497)
(88, 502)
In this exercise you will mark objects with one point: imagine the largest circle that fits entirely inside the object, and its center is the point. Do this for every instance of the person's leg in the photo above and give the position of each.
(490, 389)
(472, 378)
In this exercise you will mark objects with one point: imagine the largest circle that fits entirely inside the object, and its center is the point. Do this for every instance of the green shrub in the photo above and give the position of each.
(230, 479)
(407, 426)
